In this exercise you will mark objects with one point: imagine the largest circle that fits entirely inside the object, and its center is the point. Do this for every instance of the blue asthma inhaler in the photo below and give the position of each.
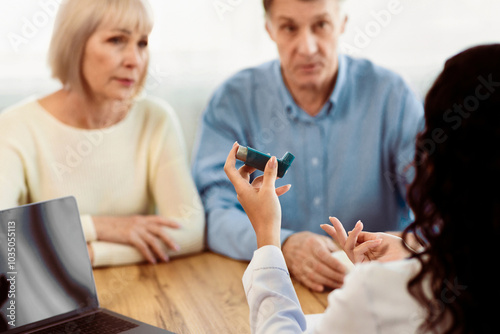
(256, 159)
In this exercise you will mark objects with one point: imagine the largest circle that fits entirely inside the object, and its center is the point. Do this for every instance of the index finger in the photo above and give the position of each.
(169, 222)
(353, 237)
(341, 233)
(245, 171)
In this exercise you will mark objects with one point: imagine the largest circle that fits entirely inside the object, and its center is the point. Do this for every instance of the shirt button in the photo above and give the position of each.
(317, 201)
(315, 161)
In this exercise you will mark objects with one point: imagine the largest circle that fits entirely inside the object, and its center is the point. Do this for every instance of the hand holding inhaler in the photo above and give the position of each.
(257, 159)
(258, 198)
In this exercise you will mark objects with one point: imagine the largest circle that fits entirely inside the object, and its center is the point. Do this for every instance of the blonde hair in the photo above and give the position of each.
(76, 21)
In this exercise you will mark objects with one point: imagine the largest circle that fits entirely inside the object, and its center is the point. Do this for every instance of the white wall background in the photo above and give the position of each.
(196, 44)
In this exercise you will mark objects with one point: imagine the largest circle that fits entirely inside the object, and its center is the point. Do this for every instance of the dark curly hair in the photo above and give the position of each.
(455, 196)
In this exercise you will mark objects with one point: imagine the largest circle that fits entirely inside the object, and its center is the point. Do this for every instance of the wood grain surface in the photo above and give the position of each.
(201, 293)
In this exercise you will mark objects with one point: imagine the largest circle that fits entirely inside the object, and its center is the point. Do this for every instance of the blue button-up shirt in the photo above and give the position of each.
(351, 159)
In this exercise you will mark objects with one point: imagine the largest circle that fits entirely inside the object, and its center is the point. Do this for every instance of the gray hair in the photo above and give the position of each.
(268, 3)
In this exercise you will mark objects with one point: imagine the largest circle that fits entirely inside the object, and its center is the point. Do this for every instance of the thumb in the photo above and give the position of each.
(270, 173)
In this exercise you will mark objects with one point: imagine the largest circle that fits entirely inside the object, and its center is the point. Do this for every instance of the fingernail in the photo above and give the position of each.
(235, 143)
(272, 162)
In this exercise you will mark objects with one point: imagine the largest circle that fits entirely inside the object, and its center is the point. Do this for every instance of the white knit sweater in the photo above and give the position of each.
(137, 166)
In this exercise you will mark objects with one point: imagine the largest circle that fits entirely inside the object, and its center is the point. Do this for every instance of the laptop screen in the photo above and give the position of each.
(44, 263)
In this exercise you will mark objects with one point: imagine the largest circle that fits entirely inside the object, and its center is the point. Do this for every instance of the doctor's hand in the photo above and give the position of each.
(259, 199)
(365, 246)
(310, 261)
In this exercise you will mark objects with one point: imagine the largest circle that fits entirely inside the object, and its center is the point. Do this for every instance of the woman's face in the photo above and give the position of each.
(114, 62)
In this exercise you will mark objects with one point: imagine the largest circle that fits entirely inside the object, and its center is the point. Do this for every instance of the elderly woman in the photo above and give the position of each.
(121, 156)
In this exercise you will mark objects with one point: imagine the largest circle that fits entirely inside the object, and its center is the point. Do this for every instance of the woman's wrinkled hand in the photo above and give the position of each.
(147, 233)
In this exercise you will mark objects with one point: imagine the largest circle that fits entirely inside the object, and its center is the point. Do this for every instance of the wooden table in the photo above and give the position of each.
(202, 293)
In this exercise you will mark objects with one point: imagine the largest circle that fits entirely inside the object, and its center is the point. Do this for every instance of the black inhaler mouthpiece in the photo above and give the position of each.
(256, 159)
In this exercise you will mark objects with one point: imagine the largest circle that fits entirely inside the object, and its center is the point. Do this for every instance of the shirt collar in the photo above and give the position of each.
(294, 111)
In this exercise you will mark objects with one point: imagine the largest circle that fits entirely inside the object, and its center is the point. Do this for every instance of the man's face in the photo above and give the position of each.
(306, 34)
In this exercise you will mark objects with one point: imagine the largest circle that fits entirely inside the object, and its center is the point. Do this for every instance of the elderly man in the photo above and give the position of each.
(350, 124)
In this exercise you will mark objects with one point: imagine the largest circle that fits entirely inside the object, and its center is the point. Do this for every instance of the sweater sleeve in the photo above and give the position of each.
(114, 254)
(15, 155)
(173, 188)
(88, 228)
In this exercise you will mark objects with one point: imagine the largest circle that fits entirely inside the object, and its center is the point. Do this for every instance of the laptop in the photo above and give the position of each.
(46, 279)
